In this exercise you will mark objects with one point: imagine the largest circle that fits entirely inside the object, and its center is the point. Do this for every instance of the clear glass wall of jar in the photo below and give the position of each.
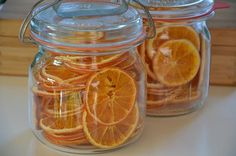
(87, 83)
(85, 104)
(177, 59)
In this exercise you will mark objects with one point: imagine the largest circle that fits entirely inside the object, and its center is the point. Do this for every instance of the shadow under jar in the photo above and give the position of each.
(87, 83)
(177, 59)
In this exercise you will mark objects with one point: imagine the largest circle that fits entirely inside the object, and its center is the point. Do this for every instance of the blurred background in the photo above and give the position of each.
(1, 3)
(17, 9)
(15, 57)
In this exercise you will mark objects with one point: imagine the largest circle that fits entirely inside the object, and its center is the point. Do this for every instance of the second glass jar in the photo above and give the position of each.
(177, 59)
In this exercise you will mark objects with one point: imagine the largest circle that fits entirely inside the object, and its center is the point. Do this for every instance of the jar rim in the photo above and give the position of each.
(101, 49)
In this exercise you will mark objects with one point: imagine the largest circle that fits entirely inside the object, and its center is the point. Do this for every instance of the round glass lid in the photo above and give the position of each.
(87, 24)
(178, 9)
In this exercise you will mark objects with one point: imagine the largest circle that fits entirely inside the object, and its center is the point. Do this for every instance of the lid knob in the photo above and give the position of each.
(92, 9)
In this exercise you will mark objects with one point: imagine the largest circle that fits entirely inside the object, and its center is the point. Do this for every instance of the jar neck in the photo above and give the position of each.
(90, 49)
(159, 22)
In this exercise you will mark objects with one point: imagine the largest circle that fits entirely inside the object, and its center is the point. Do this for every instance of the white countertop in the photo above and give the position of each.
(210, 131)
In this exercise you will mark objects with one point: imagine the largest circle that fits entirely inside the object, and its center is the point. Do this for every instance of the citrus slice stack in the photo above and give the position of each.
(60, 114)
(61, 119)
(64, 130)
(82, 99)
(76, 138)
(172, 59)
(111, 113)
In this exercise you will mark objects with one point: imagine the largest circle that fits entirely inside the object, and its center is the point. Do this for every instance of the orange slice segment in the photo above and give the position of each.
(172, 33)
(110, 95)
(110, 136)
(176, 62)
(61, 124)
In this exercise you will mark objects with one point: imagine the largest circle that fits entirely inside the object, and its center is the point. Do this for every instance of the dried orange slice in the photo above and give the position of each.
(64, 105)
(56, 77)
(57, 72)
(75, 85)
(161, 91)
(176, 62)
(186, 94)
(110, 95)
(178, 102)
(79, 80)
(75, 138)
(172, 33)
(76, 141)
(70, 136)
(84, 64)
(159, 99)
(61, 124)
(110, 136)
(44, 93)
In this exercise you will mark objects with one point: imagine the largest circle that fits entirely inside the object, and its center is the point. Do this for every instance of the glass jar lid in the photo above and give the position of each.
(80, 25)
(179, 9)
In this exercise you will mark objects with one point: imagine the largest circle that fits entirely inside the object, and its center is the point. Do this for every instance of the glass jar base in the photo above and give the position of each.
(84, 149)
(168, 112)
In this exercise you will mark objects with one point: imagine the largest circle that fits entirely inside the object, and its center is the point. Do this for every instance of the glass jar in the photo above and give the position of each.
(177, 59)
(87, 84)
